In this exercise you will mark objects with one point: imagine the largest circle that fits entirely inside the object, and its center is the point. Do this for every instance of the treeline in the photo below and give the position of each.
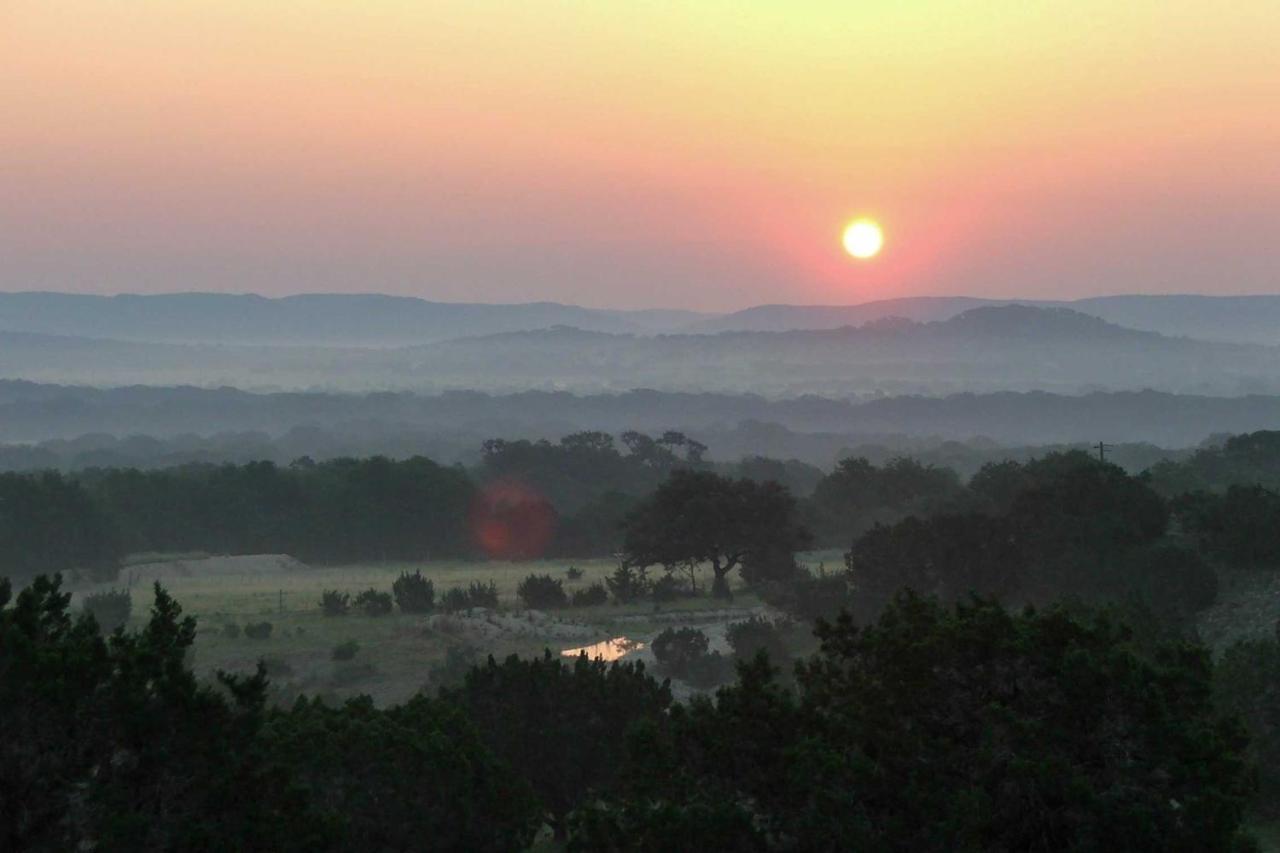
(931, 729)
(33, 412)
(1063, 526)
(341, 510)
(577, 492)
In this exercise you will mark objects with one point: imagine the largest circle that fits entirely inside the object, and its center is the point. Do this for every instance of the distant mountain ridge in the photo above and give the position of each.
(368, 320)
(373, 320)
(1233, 319)
(991, 348)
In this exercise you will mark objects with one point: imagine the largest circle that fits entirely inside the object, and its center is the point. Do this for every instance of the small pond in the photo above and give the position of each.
(606, 650)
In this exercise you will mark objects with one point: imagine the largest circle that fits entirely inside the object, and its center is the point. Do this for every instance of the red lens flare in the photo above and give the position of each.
(511, 521)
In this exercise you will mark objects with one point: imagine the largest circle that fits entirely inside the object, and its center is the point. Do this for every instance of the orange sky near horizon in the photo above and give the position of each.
(703, 155)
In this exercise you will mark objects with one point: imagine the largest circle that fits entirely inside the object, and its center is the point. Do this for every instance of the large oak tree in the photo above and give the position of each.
(698, 517)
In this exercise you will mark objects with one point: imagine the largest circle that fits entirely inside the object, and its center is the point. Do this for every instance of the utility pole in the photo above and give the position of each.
(1102, 450)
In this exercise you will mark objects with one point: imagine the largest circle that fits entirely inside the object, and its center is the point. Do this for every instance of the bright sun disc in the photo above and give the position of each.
(863, 238)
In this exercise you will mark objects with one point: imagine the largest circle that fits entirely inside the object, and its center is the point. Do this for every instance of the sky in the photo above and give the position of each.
(700, 155)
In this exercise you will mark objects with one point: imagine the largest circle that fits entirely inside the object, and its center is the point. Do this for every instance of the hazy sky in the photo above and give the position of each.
(699, 154)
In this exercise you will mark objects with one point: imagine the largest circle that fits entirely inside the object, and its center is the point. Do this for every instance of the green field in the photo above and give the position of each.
(396, 652)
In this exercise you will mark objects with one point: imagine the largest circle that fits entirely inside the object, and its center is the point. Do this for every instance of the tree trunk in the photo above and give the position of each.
(720, 588)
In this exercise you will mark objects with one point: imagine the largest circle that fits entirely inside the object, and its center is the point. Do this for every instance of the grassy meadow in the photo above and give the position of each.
(396, 652)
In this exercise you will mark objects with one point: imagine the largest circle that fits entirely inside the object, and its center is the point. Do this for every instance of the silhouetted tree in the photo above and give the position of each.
(700, 517)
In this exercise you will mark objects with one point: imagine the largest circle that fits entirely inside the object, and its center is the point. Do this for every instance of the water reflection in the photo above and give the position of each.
(606, 650)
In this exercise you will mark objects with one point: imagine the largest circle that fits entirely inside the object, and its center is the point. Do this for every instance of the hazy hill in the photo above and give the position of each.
(371, 320)
(785, 318)
(987, 349)
(993, 348)
(314, 319)
(1237, 319)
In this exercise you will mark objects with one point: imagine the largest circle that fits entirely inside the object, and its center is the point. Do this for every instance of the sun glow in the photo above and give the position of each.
(863, 239)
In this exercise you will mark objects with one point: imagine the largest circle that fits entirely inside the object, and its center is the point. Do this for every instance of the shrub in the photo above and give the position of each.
(475, 595)
(758, 634)
(542, 591)
(591, 596)
(628, 583)
(345, 650)
(231, 630)
(258, 630)
(454, 599)
(483, 594)
(677, 649)
(811, 597)
(666, 588)
(371, 602)
(109, 609)
(574, 573)
(414, 593)
(334, 603)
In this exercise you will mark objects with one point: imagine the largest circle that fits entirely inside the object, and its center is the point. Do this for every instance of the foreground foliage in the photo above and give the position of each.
(936, 729)
(112, 743)
(933, 728)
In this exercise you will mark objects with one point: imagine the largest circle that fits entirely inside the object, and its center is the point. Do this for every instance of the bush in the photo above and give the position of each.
(574, 573)
(334, 603)
(345, 650)
(677, 649)
(811, 597)
(414, 593)
(454, 599)
(371, 602)
(666, 588)
(542, 592)
(628, 583)
(231, 631)
(757, 634)
(483, 594)
(109, 609)
(591, 596)
(258, 630)
(475, 595)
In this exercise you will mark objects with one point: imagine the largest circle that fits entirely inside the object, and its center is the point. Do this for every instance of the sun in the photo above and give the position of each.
(863, 239)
